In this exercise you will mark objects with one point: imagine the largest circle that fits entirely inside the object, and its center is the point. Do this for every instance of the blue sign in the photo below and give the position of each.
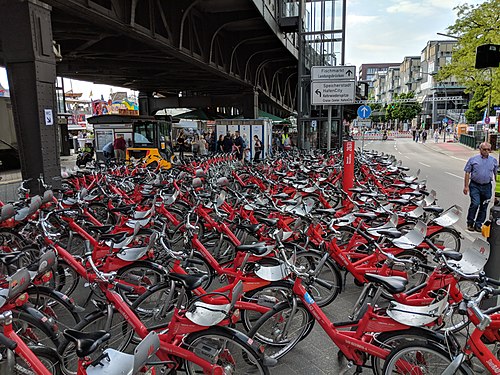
(364, 111)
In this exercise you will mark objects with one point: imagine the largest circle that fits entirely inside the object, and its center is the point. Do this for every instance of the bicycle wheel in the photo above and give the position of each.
(269, 296)
(226, 348)
(33, 331)
(151, 307)
(452, 320)
(308, 261)
(280, 329)
(121, 336)
(418, 357)
(222, 249)
(391, 340)
(46, 355)
(75, 246)
(53, 306)
(140, 275)
(11, 240)
(65, 278)
(101, 212)
(447, 238)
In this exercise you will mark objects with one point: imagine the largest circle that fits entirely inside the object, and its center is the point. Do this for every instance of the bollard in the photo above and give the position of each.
(348, 168)
(491, 267)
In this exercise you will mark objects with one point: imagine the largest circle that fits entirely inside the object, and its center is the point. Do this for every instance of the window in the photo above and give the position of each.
(144, 134)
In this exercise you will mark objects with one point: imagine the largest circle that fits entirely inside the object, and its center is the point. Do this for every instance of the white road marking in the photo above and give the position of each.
(425, 165)
(454, 157)
(454, 175)
(406, 156)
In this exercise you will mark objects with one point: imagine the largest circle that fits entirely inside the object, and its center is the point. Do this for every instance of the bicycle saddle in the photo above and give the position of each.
(399, 201)
(435, 209)
(115, 237)
(258, 248)
(250, 228)
(390, 232)
(123, 209)
(86, 342)
(393, 284)
(366, 215)
(189, 282)
(100, 228)
(268, 221)
(452, 255)
(280, 195)
(7, 212)
(9, 258)
(328, 211)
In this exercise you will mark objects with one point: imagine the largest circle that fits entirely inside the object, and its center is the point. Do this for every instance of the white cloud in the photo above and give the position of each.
(411, 7)
(356, 20)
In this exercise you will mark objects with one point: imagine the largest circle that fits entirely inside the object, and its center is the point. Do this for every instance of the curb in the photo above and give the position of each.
(16, 181)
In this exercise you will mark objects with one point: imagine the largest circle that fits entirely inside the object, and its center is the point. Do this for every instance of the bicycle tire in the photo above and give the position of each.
(269, 329)
(446, 237)
(221, 340)
(221, 248)
(390, 340)
(329, 273)
(53, 306)
(47, 356)
(275, 292)
(121, 336)
(32, 330)
(423, 355)
(66, 278)
(139, 273)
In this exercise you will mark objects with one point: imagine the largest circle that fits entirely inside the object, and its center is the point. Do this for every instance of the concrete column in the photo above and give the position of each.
(31, 69)
(144, 103)
(250, 107)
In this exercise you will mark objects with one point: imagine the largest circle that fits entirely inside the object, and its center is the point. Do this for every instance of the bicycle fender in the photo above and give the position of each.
(68, 300)
(244, 339)
(49, 327)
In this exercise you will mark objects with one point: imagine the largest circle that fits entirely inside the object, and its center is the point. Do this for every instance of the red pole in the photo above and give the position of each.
(348, 172)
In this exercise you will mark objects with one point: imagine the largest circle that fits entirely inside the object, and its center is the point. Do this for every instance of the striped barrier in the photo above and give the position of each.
(390, 135)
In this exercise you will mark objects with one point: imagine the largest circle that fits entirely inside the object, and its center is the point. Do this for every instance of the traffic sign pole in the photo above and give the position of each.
(329, 130)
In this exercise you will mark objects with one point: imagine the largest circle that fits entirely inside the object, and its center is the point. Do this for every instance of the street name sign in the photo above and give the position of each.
(333, 92)
(365, 123)
(333, 73)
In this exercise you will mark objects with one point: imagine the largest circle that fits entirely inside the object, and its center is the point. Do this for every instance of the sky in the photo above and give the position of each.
(377, 31)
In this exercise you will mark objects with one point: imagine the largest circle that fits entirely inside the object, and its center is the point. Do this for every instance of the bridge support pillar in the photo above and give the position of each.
(31, 71)
(250, 105)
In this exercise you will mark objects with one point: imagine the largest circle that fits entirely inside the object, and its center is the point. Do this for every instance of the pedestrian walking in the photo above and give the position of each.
(436, 136)
(480, 170)
(424, 136)
(417, 135)
(120, 148)
(257, 147)
(195, 145)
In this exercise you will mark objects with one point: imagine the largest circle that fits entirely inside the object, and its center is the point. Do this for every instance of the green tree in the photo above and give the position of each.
(401, 110)
(475, 25)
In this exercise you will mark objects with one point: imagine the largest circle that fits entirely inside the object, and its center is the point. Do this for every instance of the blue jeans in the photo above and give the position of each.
(480, 196)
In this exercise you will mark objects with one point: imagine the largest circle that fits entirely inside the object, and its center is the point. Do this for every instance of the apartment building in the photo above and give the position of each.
(416, 73)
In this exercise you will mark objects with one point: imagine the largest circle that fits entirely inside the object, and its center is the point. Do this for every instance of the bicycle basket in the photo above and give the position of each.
(474, 258)
(271, 269)
(417, 316)
(449, 217)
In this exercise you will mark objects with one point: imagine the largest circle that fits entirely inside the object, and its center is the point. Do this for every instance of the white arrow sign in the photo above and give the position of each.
(326, 73)
(336, 92)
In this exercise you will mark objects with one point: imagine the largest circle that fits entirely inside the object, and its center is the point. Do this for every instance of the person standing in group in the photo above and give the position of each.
(195, 145)
(480, 170)
(246, 148)
(108, 151)
(120, 146)
(220, 144)
(257, 148)
(227, 144)
(239, 146)
(181, 140)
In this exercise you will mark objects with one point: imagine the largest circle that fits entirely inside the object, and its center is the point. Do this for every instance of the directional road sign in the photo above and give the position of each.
(333, 92)
(365, 123)
(333, 73)
(364, 111)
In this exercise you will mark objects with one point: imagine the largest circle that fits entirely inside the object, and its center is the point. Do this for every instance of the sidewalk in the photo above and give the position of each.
(11, 180)
(453, 149)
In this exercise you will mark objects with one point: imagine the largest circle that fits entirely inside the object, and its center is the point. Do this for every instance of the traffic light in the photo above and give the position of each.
(487, 56)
